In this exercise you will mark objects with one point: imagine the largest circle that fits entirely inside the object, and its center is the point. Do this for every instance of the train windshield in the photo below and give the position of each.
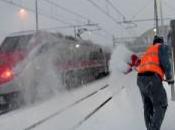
(15, 43)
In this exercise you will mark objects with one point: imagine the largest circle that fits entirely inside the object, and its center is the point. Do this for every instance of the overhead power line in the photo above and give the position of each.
(66, 10)
(32, 10)
(72, 26)
(141, 9)
(143, 20)
(103, 11)
(90, 22)
(116, 10)
(107, 14)
(69, 25)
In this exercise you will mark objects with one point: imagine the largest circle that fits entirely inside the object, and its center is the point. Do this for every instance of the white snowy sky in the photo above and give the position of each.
(131, 9)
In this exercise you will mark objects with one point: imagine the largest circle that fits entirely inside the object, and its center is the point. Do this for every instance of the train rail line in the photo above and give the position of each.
(69, 107)
(96, 109)
(91, 113)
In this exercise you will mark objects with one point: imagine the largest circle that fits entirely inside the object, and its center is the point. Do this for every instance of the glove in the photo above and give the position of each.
(128, 71)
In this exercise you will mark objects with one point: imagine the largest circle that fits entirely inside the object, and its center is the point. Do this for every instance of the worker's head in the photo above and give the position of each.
(158, 39)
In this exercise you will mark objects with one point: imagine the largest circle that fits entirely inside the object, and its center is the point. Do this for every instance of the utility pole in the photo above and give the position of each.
(75, 31)
(172, 36)
(156, 17)
(161, 13)
(36, 15)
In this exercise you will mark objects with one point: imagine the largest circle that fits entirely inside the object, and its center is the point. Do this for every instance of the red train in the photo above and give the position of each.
(76, 61)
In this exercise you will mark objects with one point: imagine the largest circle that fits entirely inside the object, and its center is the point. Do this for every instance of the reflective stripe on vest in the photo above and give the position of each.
(150, 61)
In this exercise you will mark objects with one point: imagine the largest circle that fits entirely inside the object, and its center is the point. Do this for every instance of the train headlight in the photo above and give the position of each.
(6, 75)
(77, 45)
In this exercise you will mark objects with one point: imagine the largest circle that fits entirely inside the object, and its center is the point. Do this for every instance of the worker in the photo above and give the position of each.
(154, 66)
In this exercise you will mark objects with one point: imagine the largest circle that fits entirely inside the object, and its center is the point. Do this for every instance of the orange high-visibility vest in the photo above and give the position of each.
(150, 61)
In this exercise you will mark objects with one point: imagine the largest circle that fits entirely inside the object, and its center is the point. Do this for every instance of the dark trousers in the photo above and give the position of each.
(154, 99)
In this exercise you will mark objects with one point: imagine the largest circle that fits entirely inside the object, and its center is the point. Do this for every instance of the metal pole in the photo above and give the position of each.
(75, 32)
(161, 18)
(36, 11)
(156, 17)
(172, 35)
(172, 86)
(161, 12)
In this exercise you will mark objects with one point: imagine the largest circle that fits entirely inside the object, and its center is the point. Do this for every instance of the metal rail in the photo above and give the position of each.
(64, 109)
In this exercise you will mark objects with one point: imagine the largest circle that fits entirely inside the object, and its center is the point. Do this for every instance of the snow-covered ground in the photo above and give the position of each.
(120, 101)
(123, 111)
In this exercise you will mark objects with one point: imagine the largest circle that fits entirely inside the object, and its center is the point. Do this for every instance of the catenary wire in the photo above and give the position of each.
(32, 10)
(74, 13)
(107, 14)
(116, 10)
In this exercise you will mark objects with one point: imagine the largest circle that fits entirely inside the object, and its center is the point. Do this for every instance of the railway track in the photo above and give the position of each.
(96, 109)
(57, 113)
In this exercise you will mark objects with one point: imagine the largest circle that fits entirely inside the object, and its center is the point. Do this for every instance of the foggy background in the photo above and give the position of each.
(108, 15)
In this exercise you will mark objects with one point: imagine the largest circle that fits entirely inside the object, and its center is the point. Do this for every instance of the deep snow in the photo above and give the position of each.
(123, 112)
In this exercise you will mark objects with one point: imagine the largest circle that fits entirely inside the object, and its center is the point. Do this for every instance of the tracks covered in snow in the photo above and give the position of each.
(73, 105)
(66, 111)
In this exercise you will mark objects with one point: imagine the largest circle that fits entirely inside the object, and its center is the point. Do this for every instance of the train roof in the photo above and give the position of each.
(68, 38)
(22, 33)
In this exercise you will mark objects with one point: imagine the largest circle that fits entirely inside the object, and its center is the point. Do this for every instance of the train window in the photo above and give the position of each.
(70, 38)
(93, 55)
(11, 44)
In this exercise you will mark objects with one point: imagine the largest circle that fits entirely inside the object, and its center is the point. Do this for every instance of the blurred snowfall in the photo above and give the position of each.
(38, 76)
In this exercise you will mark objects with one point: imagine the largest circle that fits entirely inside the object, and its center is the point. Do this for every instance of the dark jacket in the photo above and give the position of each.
(165, 60)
